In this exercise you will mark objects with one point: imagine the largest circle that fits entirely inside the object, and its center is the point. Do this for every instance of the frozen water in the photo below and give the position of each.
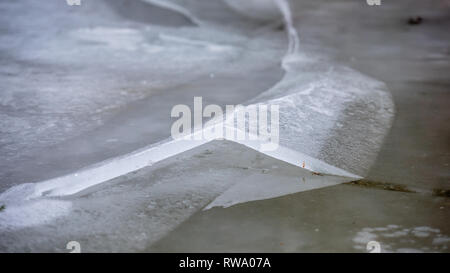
(331, 117)
(135, 210)
(87, 64)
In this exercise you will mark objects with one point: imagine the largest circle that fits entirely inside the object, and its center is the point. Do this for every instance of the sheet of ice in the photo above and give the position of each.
(331, 117)
(261, 187)
(328, 112)
(133, 211)
(82, 65)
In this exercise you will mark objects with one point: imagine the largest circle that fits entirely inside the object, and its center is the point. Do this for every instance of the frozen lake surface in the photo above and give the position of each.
(101, 82)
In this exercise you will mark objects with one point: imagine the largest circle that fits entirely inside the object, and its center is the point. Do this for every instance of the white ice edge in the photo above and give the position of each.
(296, 158)
(116, 167)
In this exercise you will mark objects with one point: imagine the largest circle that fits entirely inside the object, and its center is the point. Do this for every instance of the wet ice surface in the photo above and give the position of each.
(132, 212)
(341, 218)
(343, 119)
(67, 87)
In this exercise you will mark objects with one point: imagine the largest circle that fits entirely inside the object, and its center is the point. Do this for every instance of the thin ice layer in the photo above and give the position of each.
(134, 211)
(88, 63)
(314, 97)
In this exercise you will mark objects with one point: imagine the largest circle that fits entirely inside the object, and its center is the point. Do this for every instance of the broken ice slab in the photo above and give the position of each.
(328, 114)
(325, 114)
(133, 211)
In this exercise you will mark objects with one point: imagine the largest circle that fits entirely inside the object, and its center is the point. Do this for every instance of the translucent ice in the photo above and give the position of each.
(332, 123)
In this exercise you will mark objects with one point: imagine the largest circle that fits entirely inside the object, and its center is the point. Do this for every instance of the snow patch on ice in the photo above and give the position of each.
(395, 238)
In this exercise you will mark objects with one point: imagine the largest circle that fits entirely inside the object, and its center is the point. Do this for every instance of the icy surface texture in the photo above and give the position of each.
(332, 113)
(328, 114)
(135, 210)
(66, 73)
